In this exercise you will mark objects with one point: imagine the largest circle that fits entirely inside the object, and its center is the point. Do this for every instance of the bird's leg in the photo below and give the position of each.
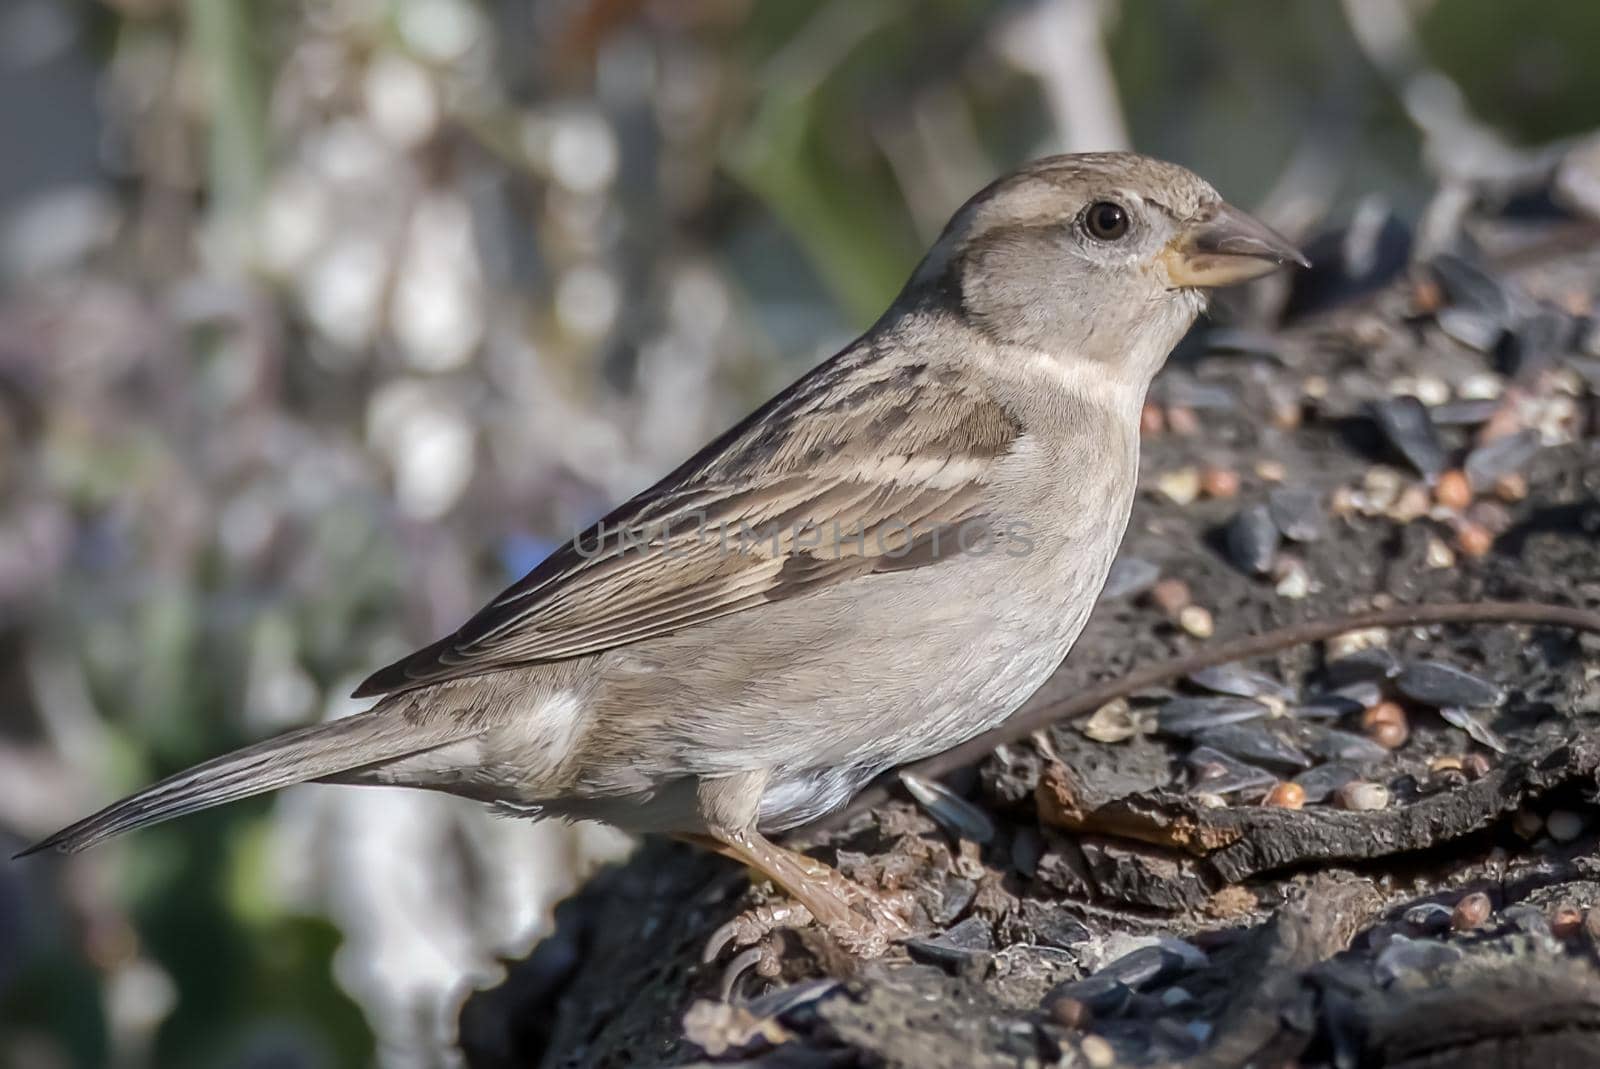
(861, 922)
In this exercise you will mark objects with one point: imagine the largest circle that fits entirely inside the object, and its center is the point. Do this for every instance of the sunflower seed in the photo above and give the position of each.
(1129, 577)
(1150, 965)
(1538, 340)
(954, 813)
(1429, 918)
(971, 939)
(1240, 682)
(1404, 958)
(1331, 744)
(1588, 368)
(1371, 663)
(1472, 329)
(1530, 919)
(1027, 847)
(1253, 540)
(1320, 782)
(1298, 513)
(1326, 707)
(1468, 413)
(1183, 717)
(1363, 692)
(1502, 456)
(1466, 285)
(1254, 742)
(1217, 773)
(1476, 730)
(1104, 996)
(1237, 340)
(1405, 423)
(788, 999)
(1436, 684)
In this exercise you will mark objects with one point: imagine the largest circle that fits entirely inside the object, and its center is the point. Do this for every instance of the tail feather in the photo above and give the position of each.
(294, 757)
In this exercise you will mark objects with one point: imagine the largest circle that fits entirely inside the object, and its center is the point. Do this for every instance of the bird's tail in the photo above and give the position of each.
(307, 753)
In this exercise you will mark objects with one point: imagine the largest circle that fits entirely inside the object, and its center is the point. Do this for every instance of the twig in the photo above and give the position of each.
(1040, 713)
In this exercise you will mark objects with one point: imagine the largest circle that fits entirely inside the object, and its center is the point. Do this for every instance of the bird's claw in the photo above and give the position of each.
(762, 958)
(753, 926)
(865, 929)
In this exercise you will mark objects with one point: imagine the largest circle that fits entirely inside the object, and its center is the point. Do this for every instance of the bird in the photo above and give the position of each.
(881, 562)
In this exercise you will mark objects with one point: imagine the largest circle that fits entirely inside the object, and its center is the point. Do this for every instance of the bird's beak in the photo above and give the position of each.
(1225, 246)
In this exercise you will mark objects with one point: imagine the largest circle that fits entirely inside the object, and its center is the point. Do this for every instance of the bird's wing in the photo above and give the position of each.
(828, 482)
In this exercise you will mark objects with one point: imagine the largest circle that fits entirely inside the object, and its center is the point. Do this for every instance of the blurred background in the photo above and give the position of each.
(321, 321)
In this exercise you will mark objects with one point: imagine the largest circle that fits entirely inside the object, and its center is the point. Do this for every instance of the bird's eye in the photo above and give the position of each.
(1105, 220)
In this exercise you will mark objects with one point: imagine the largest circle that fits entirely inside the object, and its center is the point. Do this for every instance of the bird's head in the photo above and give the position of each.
(1106, 257)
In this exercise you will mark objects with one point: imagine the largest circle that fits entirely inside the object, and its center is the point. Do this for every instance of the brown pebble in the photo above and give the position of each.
(1412, 504)
(1286, 796)
(1382, 713)
(1474, 540)
(1386, 725)
(1492, 516)
(1151, 421)
(1098, 1052)
(1566, 921)
(1447, 779)
(1271, 471)
(1197, 621)
(1290, 577)
(1287, 415)
(1171, 596)
(1476, 766)
(1452, 490)
(1180, 486)
(1071, 1013)
(1182, 420)
(1470, 912)
(1445, 763)
(1511, 488)
(1219, 482)
(1507, 419)
(1427, 296)
(1439, 555)
(1527, 824)
(1389, 735)
(1361, 796)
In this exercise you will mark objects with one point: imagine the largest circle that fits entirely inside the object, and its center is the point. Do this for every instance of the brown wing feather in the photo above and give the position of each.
(826, 483)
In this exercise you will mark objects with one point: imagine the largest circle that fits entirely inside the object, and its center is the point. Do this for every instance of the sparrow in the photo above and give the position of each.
(881, 562)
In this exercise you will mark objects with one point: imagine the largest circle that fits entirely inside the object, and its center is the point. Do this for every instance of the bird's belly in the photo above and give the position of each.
(964, 699)
(828, 691)
(795, 798)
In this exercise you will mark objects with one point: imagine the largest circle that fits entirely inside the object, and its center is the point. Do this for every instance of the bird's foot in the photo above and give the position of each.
(871, 921)
(877, 922)
(860, 922)
(752, 929)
